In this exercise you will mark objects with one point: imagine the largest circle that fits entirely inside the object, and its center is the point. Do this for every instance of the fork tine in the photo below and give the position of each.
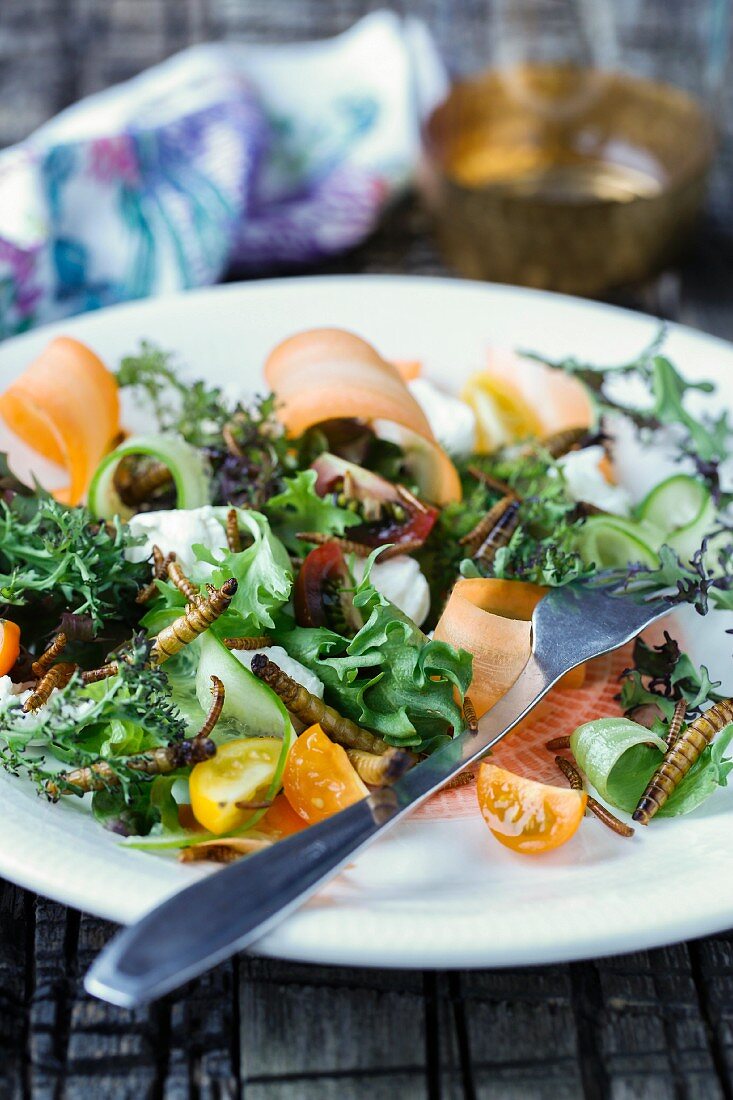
(580, 621)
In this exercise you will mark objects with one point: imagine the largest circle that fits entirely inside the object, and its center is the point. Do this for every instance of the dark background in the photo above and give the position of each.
(640, 1027)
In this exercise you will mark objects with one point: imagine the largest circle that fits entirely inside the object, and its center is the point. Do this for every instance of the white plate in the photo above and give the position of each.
(436, 892)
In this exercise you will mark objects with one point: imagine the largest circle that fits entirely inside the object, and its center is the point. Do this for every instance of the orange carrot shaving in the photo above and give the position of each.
(491, 619)
(409, 368)
(66, 407)
(327, 374)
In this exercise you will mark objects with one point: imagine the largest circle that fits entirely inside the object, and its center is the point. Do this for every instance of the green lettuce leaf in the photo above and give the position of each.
(390, 677)
(299, 508)
(619, 758)
(262, 571)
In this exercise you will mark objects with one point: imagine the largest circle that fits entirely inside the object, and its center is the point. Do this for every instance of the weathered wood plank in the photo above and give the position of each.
(203, 1050)
(712, 972)
(652, 1036)
(297, 1020)
(16, 928)
(111, 1052)
(54, 974)
(384, 1087)
(522, 1033)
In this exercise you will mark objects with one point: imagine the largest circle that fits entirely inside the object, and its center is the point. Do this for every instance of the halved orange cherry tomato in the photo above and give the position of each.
(281, 820)
(9, 645)
(526, 816)
(319, 779)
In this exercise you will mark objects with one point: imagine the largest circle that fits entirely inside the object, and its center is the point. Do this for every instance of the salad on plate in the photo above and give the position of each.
(234, 624)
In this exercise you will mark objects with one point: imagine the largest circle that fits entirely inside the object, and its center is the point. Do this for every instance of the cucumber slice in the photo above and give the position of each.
(685, 511)
(611, 542)
(252, 705)
(186, 464)
(674, 503)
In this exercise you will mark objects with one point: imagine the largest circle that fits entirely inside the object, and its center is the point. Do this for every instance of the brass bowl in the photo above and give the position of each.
(563, 178)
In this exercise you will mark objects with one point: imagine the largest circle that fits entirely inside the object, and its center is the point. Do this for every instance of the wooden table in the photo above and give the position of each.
(656, 1024)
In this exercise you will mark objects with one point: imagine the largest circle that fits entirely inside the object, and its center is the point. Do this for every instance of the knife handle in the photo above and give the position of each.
(205, 923)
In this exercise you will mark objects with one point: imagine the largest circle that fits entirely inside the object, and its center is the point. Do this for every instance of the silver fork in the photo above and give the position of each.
(224, 913)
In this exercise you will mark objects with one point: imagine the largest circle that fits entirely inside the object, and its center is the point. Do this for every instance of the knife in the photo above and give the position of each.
(226, 912)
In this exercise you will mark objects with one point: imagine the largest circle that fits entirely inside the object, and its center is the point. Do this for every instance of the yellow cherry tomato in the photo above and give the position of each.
(319, 779)
(526, 816)
(241, 771)
(503, 415)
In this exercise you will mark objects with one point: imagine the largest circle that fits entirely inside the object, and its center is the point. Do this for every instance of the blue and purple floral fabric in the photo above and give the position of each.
(253, 157)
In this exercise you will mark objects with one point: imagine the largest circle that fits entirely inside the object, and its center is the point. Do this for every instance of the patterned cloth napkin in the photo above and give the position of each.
(230, 155)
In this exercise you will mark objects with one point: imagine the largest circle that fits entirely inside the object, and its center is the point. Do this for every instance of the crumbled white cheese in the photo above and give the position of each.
(16, 694)
(452, 421)
(585, 481)
(402, 582)
(8, 691)
(288, 664)
(177, 530)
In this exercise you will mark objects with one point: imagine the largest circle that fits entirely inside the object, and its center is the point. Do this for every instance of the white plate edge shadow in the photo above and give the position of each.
(344, 924)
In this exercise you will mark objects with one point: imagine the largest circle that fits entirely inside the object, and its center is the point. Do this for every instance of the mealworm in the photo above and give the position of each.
(257, 641)
(398, 549)
(379, 770)
(227, 433)
(41, 666)
(57, 677)
(160, 566)
(570, 772)
(311, 710)
(234, 539)
(469, 715)
(217, 703)
(196, 619)
(222, 851)
(413, 503)
(675, 722)
(500, 534)
(680, 757)
(608, 819)
(575, 779)
(101, 775)
(183, 583)
(460, 780)
(360, 549)
(560, 443)
(584, 508)
(557, 744)
(94, 675)
(492, 482)
(141, 488)
(476, 536)
(320, 538)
